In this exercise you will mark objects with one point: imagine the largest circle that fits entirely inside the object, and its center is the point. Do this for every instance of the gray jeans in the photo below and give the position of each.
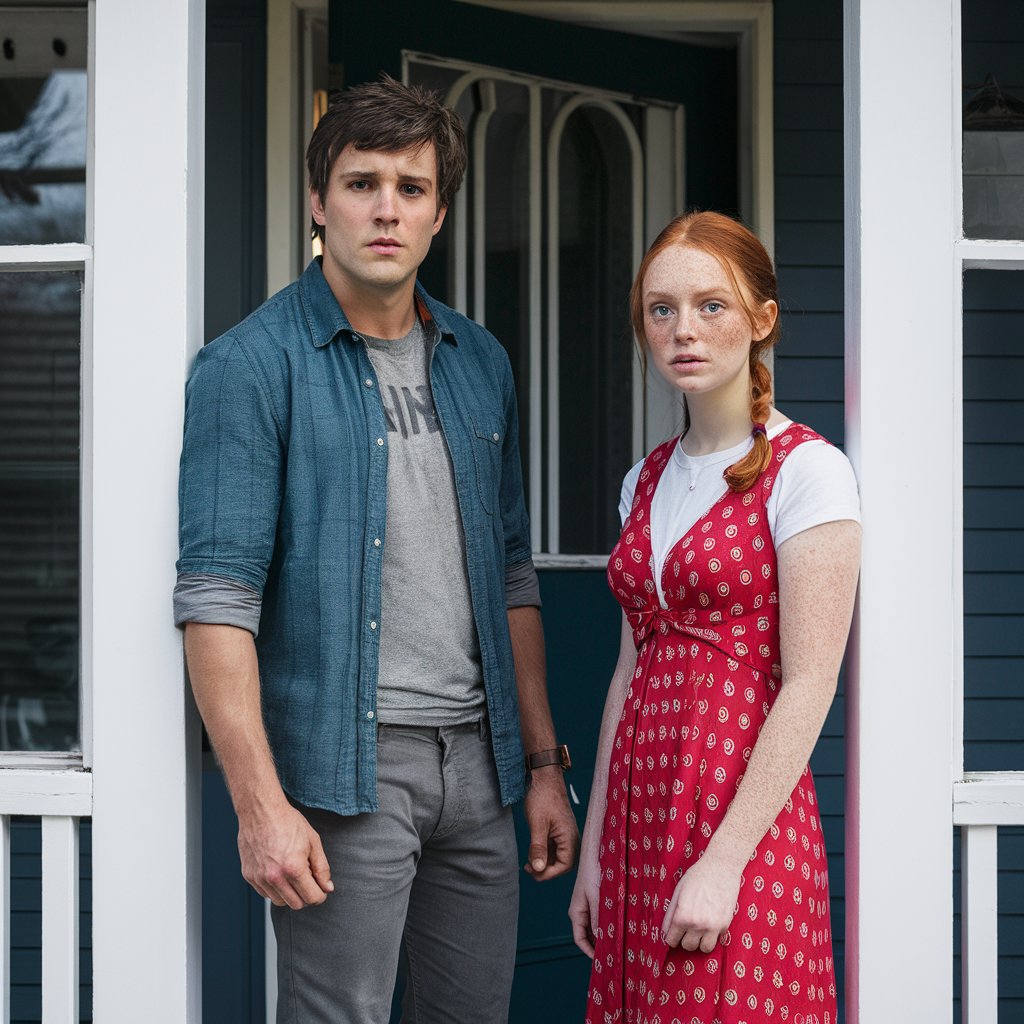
(437, 866)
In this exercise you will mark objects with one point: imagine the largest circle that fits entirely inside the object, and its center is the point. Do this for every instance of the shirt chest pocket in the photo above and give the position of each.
(488, 441)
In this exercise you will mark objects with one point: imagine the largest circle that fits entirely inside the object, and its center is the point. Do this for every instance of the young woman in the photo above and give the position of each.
(702, 894)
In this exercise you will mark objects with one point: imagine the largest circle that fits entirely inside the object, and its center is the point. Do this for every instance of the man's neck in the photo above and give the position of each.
(386, 313)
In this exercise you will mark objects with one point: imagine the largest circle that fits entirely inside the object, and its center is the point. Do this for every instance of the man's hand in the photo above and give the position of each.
(702, 906)
(283, 859)
(554, 835)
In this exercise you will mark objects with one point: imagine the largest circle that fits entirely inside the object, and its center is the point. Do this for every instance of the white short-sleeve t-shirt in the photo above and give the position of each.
(815, 485)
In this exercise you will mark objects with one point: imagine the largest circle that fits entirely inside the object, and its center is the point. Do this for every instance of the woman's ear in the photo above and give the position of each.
(766, 321)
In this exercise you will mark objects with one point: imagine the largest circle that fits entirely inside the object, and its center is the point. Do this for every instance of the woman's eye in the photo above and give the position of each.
(712, 307)
(659, 311)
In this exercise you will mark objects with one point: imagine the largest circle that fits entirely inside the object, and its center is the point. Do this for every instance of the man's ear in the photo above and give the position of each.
(316, 207)
(439, 219)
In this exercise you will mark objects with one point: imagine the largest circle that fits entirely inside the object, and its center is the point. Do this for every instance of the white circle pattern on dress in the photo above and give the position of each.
(706, 679)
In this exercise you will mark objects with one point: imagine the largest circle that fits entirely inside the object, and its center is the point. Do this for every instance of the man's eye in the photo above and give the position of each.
(359, 186)
(411, 190)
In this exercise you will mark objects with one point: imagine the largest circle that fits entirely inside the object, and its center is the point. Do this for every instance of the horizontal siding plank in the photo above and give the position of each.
(802, 198)
(995, 721)
(796, 63)
(992, 422)
(1000, 636)
(815, 289)
(809, 245)
(810, 334)
(993, 677)
(808, 21)
(988, 290)
(999, 333)
(994, 508)
(821, 378)
(993, 756)
(994, 378)
(798, 108)
(997, 593)
(994, 463)
(993, 550)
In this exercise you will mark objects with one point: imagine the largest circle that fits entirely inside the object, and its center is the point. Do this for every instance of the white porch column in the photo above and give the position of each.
(146, 324)
(902, 395)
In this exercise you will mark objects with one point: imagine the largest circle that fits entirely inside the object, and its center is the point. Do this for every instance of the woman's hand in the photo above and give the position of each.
(584, 902)
(702, 906)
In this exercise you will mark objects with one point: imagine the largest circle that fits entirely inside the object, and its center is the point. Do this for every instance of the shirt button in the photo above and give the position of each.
(376, 542)
(368, 382)
(497, 437)
(373, 625)
(369, 714)
(380, 442)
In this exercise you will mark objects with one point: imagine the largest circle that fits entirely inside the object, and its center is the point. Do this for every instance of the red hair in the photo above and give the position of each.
(752, 276)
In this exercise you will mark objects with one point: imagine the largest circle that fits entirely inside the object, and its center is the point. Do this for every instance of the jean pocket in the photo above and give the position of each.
(487, 449)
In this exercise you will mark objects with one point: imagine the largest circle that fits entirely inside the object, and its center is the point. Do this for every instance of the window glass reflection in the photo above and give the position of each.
(39, 510)
(42, 159)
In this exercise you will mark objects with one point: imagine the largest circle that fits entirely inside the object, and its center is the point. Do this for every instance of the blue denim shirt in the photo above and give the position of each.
(282, 490)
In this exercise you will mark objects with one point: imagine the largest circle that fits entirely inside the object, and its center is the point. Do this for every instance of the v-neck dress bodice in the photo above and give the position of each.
(707, 675)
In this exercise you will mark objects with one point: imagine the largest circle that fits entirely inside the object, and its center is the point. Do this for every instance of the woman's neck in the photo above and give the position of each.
(717, 421)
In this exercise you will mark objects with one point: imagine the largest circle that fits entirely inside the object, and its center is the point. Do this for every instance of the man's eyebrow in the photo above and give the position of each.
(424, 182)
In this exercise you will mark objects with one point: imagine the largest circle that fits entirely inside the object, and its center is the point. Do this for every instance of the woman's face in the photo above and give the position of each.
(697, 330)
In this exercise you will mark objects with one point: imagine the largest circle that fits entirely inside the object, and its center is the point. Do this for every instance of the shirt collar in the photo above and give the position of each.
(326, 319)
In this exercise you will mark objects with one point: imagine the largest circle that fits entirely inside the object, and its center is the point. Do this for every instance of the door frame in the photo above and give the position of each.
(751, 22)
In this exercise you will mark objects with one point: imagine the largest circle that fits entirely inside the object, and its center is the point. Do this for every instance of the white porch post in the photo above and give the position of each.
(146, 325)
(902, 392)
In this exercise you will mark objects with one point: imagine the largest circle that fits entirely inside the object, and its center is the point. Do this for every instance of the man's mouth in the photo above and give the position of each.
(385, 246)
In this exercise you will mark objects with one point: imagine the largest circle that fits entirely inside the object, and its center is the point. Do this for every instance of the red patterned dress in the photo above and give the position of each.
(707, 674)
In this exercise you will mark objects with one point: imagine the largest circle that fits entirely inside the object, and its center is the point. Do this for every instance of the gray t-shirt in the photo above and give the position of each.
(430, 672)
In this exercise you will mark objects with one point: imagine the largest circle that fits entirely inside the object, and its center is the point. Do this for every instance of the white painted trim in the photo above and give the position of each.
(59, 256)
(991, 255)
(752, 21)
(287, 200)
(60, 920)
(536, 284)
(5, 919)
(989, 798)
(33, 793)
(489, 104)
(145, 737)
(979, 915)
(898, 690)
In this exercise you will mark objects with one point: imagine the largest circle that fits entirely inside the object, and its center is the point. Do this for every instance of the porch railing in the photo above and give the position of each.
(982, 802)
(59, 799)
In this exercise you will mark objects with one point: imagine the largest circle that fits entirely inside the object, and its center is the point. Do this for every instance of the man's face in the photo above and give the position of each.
(379, 213)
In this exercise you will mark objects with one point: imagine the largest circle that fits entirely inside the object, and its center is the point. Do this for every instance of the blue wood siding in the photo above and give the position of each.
(809, 260)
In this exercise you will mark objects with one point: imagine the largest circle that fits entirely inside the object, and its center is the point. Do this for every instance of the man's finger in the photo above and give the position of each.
(318, 864)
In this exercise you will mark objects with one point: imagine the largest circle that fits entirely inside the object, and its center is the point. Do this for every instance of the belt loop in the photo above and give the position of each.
(483, 727)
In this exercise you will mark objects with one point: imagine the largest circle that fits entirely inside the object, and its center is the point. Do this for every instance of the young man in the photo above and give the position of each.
(361, 609)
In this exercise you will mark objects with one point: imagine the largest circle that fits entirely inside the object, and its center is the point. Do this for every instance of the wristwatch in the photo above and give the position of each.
(556, 755)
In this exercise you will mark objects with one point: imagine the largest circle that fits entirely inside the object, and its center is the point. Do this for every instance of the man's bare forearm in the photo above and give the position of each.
(225, 680)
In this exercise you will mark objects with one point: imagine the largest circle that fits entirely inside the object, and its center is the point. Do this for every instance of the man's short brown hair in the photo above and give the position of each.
(389, 117)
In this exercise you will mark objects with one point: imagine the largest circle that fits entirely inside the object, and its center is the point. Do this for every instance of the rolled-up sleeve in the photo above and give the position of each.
(522, 587)
(230, 482)
(218, 601)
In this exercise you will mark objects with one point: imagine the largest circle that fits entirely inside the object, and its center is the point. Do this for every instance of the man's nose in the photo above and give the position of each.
(387, 205)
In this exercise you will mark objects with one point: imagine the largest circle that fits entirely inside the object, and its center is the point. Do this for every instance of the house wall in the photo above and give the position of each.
(809, 260)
